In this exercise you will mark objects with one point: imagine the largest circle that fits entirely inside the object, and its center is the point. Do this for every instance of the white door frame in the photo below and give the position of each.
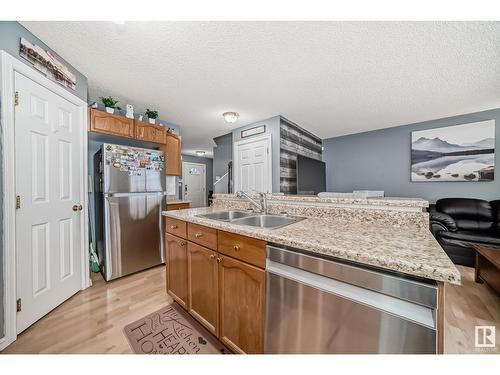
(184, 182)
(8, 66)
(236, 161)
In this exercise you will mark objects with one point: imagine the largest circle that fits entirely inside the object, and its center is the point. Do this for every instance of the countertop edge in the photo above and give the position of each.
(267, 235)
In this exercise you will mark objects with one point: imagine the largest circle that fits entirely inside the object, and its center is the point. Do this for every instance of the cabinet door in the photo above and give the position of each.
(241, 305)
(173, 155)
(203, 286)
(177, 269)
(149, 132)
(108, 123)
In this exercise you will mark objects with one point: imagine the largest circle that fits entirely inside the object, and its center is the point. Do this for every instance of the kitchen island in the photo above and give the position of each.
(390, 241)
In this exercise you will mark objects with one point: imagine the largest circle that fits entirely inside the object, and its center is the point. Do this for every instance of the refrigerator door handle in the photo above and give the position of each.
(154, 193)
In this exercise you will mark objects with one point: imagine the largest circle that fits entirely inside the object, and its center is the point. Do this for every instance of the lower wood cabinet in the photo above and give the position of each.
(203, 286)
(241, 306)
(177, 283)
(226, 294)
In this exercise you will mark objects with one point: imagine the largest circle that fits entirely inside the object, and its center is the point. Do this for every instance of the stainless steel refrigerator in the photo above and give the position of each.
(130, 193)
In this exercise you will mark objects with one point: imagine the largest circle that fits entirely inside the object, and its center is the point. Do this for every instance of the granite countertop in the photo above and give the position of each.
(411, 251)
(177, 201)
(383, 201)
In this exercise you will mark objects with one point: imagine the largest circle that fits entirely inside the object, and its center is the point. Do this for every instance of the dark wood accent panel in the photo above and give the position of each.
(241, 306)
(487, 268)
(108, 123)
(176, 227)
(203, 289)
(176, 264)
(150, 132)
(202, 235)
(248, 249)
(173, 155)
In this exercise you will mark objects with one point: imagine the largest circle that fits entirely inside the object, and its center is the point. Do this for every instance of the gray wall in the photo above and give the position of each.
(223, 154)
(208, 168)
(380, 160)
(273, 128)
(10, 35)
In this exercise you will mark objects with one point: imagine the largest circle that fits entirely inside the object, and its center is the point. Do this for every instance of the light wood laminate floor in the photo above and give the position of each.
(92, 321)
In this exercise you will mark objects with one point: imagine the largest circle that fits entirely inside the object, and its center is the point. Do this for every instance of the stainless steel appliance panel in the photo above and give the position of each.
(155, 181)
(417, 291)
(315, 305)
(116, 180)
(303, 319)
(133, 233)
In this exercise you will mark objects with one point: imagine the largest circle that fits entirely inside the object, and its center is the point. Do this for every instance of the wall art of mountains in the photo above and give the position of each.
(436, 158)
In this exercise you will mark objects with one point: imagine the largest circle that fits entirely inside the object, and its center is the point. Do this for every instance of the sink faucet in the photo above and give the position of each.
(261, 205)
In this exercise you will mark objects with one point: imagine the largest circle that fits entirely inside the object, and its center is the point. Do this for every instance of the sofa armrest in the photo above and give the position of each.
(441, 220)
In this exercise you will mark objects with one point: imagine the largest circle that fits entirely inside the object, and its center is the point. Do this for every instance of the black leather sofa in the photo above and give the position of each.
(460, 223)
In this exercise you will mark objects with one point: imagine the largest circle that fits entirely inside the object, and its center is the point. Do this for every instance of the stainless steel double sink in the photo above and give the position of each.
(252, 219)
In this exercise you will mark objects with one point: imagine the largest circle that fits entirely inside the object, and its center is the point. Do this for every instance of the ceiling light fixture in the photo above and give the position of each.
(200, 153)
(230, 117)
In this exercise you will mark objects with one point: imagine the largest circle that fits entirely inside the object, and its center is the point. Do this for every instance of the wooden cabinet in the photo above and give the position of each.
(176, 227)
(241, 306)
(223, 292)
(177, 269)
(172, 151)
(203, 290)
(108, 123)
(247, 249)
(150, 132)
(202, 235)
(177, 206)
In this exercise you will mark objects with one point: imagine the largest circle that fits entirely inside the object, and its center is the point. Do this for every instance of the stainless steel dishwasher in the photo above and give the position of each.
(316, 305)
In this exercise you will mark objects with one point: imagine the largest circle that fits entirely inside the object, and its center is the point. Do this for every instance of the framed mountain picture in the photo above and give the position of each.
(454, 153)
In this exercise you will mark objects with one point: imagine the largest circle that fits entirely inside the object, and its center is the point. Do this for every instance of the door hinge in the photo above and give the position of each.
(16, 98)
(18, 305)
(18, 202)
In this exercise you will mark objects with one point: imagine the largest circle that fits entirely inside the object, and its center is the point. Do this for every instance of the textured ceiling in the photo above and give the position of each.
(333, 78)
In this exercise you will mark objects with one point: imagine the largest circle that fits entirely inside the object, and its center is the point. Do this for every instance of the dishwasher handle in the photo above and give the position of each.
(406, 310)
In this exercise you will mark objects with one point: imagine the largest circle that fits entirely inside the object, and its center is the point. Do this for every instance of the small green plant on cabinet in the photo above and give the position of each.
(109, 102)
(151, 114)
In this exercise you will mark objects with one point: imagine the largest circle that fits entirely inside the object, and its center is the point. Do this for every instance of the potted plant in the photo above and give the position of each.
(110, 103)
(152, 116)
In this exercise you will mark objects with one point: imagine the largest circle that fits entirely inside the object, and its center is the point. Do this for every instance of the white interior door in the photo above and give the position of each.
(49, 234)
(253, 169)
(194, 183)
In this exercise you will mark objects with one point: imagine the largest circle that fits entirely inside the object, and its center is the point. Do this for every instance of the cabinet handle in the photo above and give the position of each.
(219, 260)
(198, 235)
(173, 227)
(212, 256)
(236, 247)
(182, 243)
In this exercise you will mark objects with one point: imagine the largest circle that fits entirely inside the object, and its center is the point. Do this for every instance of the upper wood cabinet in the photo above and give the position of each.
(149, 132)
(173, 155)
(241, 306)
(203, 287)
(108, 123)
(177, 269)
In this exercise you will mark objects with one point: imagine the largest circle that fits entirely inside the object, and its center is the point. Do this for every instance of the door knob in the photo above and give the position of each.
(77, 207)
